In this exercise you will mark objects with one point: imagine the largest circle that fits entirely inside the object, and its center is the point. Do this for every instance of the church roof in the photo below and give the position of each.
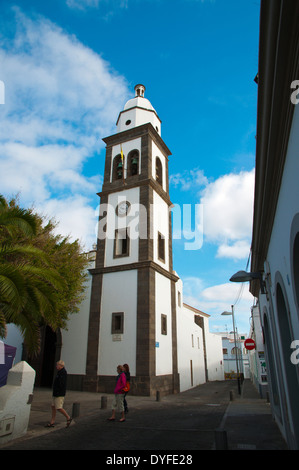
(195, 310)
(139, 102)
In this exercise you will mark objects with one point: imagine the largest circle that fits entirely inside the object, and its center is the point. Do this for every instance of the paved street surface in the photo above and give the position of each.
(182, 422)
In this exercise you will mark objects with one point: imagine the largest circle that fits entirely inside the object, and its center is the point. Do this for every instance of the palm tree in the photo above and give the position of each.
(29, 285)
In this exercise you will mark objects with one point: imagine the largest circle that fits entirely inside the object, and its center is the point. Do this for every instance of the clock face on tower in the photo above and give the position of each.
(123, 208)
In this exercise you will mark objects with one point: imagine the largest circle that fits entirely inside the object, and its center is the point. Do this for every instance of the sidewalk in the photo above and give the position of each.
(248, 423)
(188, 420)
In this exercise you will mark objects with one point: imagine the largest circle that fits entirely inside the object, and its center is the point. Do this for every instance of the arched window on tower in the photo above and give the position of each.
(118, 168)
(158, 171)
(133, 163)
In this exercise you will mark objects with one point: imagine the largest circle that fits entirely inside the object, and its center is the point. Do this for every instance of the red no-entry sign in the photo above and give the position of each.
(249, 344)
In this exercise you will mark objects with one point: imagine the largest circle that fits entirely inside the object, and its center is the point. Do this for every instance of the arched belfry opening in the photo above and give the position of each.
(118, 168)
(133, 163)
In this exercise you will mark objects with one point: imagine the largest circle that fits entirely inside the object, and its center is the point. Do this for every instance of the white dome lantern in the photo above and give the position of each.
(138, 111)
(139, 90)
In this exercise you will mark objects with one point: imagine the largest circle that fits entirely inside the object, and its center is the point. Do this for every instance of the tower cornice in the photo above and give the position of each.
(139, 131)
(108, 188)
(138, 265)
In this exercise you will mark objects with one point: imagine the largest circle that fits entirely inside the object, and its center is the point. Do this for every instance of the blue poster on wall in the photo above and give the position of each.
(7, 356)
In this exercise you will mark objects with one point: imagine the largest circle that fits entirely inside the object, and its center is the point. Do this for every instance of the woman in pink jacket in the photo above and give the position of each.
(118, 401)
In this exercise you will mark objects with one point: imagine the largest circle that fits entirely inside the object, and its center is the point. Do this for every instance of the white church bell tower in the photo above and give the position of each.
(132, 310)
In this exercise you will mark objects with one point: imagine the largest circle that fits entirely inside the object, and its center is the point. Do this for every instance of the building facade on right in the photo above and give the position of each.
(275, 242)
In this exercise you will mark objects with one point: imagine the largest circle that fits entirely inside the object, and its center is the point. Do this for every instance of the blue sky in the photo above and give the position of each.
(69, 66)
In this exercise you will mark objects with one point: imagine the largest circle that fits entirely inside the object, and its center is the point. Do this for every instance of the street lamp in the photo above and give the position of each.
(243, 276)
(238, 378)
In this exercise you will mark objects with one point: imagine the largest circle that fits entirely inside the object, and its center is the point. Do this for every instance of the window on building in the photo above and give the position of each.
(192, 341)
(158, 171)
(236, 351)
(163, 324)
(117, 326)
(121, 243)
(179, 299)
(161, 247)
(224, 350)
(191, 372)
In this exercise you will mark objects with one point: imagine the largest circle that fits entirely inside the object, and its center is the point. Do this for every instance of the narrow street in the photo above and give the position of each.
(183, 422)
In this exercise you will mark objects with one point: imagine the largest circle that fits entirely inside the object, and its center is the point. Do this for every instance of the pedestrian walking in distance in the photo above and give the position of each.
(118, 402)
(59, 391)
(128, 376)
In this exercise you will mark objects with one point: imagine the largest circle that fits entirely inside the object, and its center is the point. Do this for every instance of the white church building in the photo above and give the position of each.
(275, 240)
(134, 310)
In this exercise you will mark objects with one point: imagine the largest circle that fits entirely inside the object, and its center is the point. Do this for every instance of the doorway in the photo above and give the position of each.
(48, 359)
(44, 362)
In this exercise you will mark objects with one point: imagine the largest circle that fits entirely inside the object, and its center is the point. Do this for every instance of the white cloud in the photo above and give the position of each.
(227, 209)
(60, 98)
(238, 250)
(227, 292)
(216, 299)
(189, 179)
(57, 88)
(228, 213)
(77, 218)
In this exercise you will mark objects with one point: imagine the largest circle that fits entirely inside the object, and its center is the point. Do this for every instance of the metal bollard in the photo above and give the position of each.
(76, 410)
(231, 395)
(157, 395)
(221, 439)
(103, 403)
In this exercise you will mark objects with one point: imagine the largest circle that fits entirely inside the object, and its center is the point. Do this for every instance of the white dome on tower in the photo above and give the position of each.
(139, 100)
(138, 111)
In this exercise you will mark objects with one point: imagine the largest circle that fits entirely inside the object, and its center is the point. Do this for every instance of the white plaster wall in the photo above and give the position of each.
(129, 115)
(163, 342)
(288, 205)
(138, 116)
(215, 362)
(119, 294)
(279, 261)
(75, 337)
(116, 222)
(190, 348)
(143, 116)
(160, 224)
